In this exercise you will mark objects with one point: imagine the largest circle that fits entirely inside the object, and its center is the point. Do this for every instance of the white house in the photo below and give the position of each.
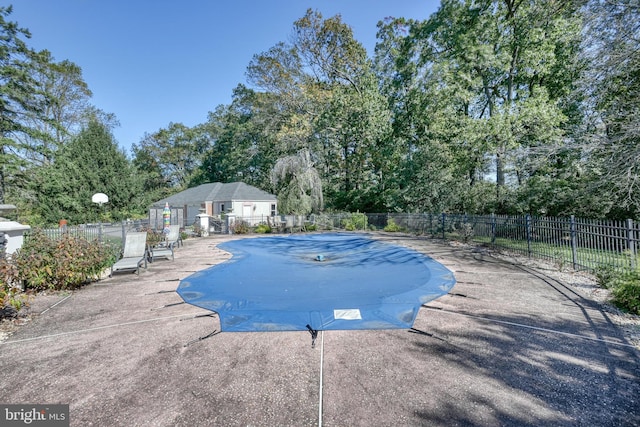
(237, 198)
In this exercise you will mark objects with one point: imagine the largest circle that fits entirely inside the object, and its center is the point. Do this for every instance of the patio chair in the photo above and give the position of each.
(164, 249)
(173, 238)
(134, 253)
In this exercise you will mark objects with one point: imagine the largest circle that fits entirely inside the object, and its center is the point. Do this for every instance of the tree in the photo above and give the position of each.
(64, 108)
(178, 151)
(298, 184)
(91, 163)
(240, 146)
(613, 85)
(18, 96)
(325, 103)
(478, 80)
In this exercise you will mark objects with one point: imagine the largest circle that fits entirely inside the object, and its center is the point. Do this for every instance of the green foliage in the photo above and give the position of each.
(92, 162)
(300, 186)
(465, 231)
(262, 228)
(10, 292)
(170, 156)
(625, 289)
(240, 145)
(65, 263)
(624, 286)
(479, 88)
(392, 226)
(153, 236)
(355, 221)
(604, 275)
(240, 227)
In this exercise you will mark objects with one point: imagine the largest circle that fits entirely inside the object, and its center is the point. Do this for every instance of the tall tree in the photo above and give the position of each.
(328, 106)
(494, 73)
(178, 151)
(65, 107)
(18, 96)
(91, 163)
(613, 83)
(298, 183)
(239, 145)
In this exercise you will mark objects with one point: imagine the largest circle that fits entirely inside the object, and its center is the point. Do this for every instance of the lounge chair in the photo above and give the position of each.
(134, 253)
(173, 238)
(165, 248)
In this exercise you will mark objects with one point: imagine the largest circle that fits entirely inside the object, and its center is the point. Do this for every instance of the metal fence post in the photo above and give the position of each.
(444, 218)
(574, 242)
(493, 228)
(631, 243)
(124, 233)
(527, 223)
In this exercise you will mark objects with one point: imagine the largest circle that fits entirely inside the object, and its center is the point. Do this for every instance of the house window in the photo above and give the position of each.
(221, 207)
(273, 209)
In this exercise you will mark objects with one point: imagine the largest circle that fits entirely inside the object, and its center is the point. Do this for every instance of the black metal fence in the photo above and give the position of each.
(583, 244)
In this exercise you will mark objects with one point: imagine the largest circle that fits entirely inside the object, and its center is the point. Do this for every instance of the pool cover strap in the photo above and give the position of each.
(314, 335)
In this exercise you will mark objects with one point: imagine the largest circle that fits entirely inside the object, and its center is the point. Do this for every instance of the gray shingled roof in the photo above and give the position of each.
(216, 192)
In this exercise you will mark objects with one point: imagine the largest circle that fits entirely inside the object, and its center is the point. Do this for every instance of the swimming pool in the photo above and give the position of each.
(336, 281)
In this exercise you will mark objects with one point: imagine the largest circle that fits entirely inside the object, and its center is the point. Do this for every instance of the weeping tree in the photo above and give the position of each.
(612, 83)
(298, 184)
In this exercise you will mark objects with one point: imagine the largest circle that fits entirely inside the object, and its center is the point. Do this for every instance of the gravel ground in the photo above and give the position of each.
(514, 344)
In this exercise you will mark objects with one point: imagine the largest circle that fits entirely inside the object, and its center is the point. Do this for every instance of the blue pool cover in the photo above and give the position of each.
(328, 281)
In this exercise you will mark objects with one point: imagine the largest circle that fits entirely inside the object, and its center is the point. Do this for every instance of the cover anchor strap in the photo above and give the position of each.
(314, 335)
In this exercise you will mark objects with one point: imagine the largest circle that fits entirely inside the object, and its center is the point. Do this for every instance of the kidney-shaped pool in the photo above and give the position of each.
(319, 281)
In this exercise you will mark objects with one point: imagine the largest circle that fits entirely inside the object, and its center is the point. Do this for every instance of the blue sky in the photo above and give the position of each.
(153, 62)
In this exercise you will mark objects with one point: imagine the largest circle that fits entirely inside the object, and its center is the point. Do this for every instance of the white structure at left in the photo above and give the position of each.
(11, 232)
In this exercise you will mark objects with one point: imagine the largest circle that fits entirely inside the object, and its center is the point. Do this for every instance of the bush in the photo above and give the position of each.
(10, 292)
(153, 236)
(392, 226)
(240, 227)
(263, 228)
(625, 289)
(605, 275)
(66, 263)
(356, 221)
(466, 232)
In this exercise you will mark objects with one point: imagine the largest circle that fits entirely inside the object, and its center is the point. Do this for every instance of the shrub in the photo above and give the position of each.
(625, 289)
(263, 228)
(35, 261)
(605, 275)
(240, 227)
(10, 292)
(392, 226)
(355, 221)
(65, 263)
(153, 237)
(466, 231)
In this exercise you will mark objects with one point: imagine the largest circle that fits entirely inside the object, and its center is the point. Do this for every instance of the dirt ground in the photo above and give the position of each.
(511, 345)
